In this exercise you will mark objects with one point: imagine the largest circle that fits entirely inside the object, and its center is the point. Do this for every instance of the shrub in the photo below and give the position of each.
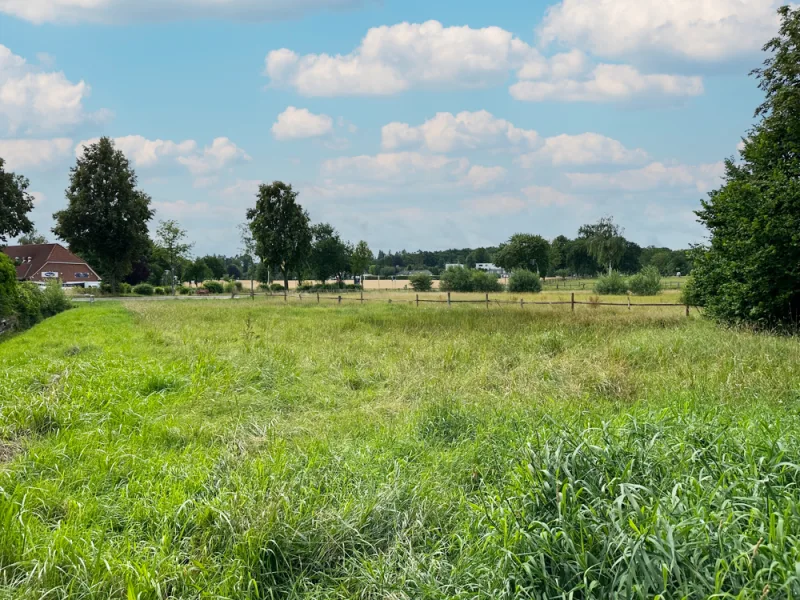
(54, 300)
(612, 284)
(8, 286)
(105, 288)
(159, 291)
(485, 282)
(691, 293)
(230, 287)
(421, 282)
(524, 281)
(144, 289)
(29, 305)
(125, 288)
(239, 286)
(276, 287)
(184, 291)
(214, 287)
(457, 279)
(646, 283)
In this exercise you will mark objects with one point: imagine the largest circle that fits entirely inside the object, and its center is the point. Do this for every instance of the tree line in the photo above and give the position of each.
(749, 272)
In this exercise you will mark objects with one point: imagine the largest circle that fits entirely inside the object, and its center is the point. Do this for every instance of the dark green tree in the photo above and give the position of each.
(216, 264)
(8, 286)
(170, 240)
(198, 271)
(750, 272)
(605, 242)
(524, 251)
(106, 216)
(631, 259)
(32, 238)
(280, 228)
(361, 258)
(15, 204)
(330, 256)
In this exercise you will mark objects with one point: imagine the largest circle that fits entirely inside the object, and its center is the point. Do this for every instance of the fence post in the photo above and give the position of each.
(487, 301)
(317, 297)
(285, 295)
(573, 302)
(522, 303)
(300, 297)
(687, 310)
(417, 300)
(629, 302)
(340, 299)
(362, 296)
(448, 300)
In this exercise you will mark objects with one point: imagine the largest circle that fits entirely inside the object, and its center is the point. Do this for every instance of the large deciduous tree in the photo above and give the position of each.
(524, 251)
(170, 240)
(330, 256)
(106, 216)
(361, 258)
(750, 272)
(32, 238)
(280, 228)
(605, 242)
(15, 204)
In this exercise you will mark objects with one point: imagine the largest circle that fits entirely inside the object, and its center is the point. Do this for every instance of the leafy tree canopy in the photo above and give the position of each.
(524, 251)
(106, 216)
(15, 204)
(280, 228)
(750, 272)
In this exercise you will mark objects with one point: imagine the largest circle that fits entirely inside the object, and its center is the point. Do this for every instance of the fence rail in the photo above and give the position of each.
(486, 301)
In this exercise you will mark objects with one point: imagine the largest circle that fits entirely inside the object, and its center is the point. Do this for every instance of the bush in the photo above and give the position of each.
(184, 291)
(159, 291)
(485, 282)
(144, 289)
(457, 279)
(239, 286)
(213, 287)
(276, 287)
(54, 300)
(125, 288)
(646, 283)
(612, 284)
(691, 293)
(230, 287)
(8, 286)
(29, 305)
(421, 282)
(524, 281)
(105, 288)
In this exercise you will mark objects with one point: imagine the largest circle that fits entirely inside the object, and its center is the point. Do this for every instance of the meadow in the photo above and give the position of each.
(260, 449)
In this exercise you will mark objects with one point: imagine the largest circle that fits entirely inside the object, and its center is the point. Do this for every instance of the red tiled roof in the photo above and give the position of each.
(36, 256)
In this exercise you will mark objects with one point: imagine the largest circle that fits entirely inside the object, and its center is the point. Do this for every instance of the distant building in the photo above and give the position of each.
(453, 266)
(490, 268)
(41, 263)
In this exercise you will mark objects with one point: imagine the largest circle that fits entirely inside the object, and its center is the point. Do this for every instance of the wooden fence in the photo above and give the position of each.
(572, 303)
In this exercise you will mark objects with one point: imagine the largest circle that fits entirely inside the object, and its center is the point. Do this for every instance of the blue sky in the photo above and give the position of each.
(405, 123)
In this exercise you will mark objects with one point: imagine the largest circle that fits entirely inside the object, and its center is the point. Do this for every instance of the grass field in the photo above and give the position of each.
(250, 449)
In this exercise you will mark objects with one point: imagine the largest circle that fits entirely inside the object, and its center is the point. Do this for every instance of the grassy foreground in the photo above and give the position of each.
(254, 450)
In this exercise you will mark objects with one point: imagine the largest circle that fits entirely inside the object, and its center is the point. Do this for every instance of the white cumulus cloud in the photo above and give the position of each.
(26, 154)
(697, 30)
(143, 152)
(583, 149)
(481, 177)
(33, 100)
(466, 130)
(401, 167)
(123, 11)
(220, 154)
(391, 59)
(606, 83)
(297, 123)
(654, 176)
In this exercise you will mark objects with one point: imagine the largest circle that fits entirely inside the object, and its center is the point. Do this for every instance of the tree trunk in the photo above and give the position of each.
(286, 280)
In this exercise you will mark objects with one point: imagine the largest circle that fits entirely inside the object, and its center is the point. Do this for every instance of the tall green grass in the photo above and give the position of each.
(253, 450)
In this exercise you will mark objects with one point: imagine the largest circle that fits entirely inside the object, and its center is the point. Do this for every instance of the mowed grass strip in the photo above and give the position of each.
(252, 450)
